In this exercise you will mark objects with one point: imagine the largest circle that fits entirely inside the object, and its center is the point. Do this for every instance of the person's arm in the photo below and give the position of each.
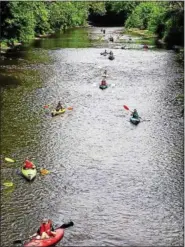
(34, 235)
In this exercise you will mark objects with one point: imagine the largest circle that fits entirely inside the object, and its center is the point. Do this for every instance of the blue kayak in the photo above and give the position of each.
(134, 120)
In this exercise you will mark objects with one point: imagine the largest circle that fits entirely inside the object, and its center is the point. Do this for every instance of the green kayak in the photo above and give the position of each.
(134, 120)
(111, 57)
(29, 174)
(103, 86)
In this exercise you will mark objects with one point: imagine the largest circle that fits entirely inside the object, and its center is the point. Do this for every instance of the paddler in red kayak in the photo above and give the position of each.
(45, 231)
(28, 164)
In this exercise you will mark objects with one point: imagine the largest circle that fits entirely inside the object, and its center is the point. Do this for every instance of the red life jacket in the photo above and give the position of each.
(28, 164)
(46, 228)
(103, 83)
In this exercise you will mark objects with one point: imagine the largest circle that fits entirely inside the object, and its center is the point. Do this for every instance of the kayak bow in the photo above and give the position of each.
(111, 57)
(50, 241)
(29, 174)
(46, 242)
(134, 120)
(103, 87)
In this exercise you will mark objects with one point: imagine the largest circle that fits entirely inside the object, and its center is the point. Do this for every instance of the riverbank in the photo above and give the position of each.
(4, 47)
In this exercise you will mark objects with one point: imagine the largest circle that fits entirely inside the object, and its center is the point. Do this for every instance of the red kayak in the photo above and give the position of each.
(47, 242)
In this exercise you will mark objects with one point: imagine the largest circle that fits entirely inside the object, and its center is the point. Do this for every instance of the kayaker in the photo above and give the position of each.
(135, 114)
(111, 39)
(111, 53)
(46, 230)
(28, 164)
(105, 73)
(103, 82)
(59, 106)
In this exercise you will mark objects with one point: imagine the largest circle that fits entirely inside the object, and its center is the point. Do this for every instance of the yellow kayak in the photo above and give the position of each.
(55, 113)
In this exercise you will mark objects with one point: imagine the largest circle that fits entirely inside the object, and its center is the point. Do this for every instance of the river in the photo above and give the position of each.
(121, 184)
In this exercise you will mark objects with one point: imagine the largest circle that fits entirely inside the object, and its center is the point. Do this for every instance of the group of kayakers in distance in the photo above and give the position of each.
(135, 119)
(111, 55)
(106, 52)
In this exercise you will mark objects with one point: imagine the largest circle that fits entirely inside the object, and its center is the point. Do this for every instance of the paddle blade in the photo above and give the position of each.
(70, 108)
(9, 160)
(126, 107)
(66, 225)
(18, 241)
(44, 171)
(8, 184)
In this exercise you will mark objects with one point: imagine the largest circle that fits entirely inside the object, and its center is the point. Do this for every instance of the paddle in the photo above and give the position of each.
(70, 108)
(126, 108)
(63, 226)
(9, 160)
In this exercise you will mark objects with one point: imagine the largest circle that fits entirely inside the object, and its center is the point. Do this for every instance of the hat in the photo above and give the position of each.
(44, 220)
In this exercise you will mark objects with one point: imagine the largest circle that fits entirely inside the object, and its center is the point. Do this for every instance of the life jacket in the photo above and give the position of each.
(103, 83)
(135, 115)
(28, 164)
(46, 228)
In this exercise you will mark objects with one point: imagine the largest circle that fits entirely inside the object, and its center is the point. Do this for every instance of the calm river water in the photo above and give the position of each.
(121, 185)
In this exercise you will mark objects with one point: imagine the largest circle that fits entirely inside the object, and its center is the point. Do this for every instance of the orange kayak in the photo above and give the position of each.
(46, 242)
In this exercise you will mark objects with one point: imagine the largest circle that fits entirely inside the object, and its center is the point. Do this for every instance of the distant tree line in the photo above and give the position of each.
(22, 21)
(166, 19)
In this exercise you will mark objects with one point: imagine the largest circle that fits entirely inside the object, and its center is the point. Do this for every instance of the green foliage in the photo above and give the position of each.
(20, 23)
(41, 15)
(166, 19)
(22, 20)
(174, 28)
(118, 7)
(156, 23)
(140, 15)
(97, 7)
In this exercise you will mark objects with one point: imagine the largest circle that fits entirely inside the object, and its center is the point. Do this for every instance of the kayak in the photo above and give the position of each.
(47, 242)
(55, 113)
(104, 54)
(134, 120)
(103, 87)
(29, 174)
(111, 57)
